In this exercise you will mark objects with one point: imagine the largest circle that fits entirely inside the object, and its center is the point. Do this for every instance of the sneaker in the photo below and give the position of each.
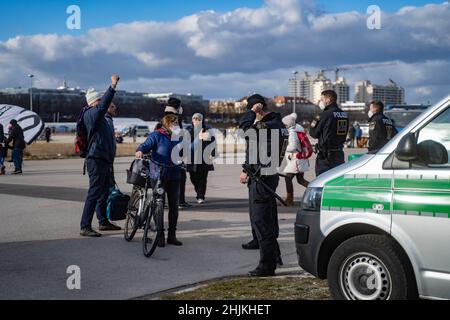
(17, 172)
(184, 205)
(200, 201)
(89, 232)
(108, 226)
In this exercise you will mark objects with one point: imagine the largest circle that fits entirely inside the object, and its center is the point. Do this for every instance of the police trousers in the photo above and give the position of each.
(264, 220)
(329, 161)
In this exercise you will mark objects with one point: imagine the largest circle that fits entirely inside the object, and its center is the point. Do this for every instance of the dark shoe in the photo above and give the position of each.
(252, 245)
(261, 273)
(108, 226)
(89, 232)
(162, 241)
(17, 172)
(184, 205)
(172, 239)
(279, 261)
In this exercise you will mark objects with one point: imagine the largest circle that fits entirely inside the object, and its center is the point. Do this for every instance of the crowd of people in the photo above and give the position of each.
(331, 129)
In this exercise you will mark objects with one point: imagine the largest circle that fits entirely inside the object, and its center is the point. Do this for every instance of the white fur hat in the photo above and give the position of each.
(290, 120)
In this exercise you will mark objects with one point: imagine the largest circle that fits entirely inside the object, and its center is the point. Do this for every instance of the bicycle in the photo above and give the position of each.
(146, 212)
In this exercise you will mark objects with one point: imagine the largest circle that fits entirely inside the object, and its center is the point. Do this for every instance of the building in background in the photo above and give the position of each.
(185, 98)
(342, 89)
(389, 94)
(64, 103)
(311, 88)
(301, 86)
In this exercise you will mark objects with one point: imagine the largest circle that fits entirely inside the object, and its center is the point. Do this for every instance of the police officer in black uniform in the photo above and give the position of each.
(331, 129)
(263, 206)
(381, 128)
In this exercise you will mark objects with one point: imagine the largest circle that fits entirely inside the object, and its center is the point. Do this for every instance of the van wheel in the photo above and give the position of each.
(368, 267)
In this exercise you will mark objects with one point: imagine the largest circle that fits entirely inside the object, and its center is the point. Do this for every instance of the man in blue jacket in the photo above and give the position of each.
(100, 158)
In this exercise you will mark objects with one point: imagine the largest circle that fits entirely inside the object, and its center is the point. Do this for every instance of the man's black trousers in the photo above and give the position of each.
(264, 220)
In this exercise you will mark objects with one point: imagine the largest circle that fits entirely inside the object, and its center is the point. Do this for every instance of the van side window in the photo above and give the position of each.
(435, 138)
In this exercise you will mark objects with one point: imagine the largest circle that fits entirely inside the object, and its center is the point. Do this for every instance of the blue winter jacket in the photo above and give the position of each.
(102, 143)
(159, 144)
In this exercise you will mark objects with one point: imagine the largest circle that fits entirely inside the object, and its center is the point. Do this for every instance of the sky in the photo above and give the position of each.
(224, 48)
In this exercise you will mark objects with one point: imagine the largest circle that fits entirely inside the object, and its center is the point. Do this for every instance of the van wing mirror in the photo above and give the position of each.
(407, 148)
(432, 153)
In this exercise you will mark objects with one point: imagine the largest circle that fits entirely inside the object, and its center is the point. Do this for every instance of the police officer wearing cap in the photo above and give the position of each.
(263, 206)
(331, 129)
(381, 128)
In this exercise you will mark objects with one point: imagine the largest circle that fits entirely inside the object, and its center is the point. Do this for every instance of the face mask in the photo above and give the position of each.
(176, 130)
(370, 114)
(322, 105)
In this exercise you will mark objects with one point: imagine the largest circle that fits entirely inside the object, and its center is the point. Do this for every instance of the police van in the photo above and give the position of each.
(378, 227)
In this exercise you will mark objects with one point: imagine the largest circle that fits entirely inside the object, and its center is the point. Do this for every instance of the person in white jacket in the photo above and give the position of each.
(294, 167)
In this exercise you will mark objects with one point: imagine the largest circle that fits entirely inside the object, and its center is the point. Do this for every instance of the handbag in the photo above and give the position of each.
(117, 205)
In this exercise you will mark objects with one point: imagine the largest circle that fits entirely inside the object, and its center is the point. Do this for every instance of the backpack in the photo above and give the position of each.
(81, 139)
(307, 149)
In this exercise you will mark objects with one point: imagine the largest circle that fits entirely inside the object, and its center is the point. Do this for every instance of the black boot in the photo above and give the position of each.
(262, 272)
(162, 240)
(172, 239)
(252, 245)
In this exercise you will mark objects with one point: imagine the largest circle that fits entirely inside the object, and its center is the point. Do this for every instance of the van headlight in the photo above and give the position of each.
(312, 199)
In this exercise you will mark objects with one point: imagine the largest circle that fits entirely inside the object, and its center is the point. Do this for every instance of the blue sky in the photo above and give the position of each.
(28, 17)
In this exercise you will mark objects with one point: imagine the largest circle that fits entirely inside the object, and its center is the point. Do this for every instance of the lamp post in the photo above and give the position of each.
(31, 76)
(295, 89)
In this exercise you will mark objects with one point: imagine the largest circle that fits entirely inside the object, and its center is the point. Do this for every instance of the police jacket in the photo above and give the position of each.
(381, 130)
(259, 143)
(330, 129)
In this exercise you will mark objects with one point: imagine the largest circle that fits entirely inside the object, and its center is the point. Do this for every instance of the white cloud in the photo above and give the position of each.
(225, 54)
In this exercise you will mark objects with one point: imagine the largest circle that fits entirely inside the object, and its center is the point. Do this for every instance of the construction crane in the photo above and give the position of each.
(337, 70)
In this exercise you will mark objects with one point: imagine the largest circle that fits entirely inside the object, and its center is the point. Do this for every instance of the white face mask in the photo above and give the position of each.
(370, 114)
(176, 130)
(322, 105)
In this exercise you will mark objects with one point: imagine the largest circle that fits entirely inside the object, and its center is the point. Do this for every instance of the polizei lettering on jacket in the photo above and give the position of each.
(340, 115)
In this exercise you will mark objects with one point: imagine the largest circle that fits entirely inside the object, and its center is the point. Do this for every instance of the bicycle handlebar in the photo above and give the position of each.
(149, 158)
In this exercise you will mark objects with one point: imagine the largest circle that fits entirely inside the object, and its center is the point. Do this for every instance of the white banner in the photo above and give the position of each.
(31, 124)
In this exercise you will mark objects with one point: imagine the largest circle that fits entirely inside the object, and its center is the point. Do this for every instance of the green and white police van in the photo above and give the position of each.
(378, 227)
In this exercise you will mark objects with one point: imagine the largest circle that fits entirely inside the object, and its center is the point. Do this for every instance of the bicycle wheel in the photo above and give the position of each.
(153, 229)
(132, 222)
